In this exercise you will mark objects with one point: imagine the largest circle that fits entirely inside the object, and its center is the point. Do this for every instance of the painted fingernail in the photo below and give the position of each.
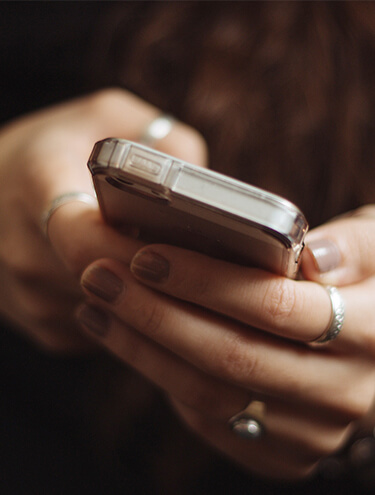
(102, 282)
(94, 320)
(326, 254)
(150, 266)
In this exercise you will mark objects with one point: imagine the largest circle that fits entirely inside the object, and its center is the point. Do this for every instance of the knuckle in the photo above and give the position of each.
(325, 444)
(34, 155)
(101, 106)
(104, 99)
(192, 143)
(280, 302)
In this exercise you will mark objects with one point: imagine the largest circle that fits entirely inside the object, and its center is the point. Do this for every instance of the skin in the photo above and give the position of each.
(43, 156)
(231, 334)
(212, 335)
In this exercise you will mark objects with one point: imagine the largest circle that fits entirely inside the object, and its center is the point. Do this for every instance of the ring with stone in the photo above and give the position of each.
(248, 423)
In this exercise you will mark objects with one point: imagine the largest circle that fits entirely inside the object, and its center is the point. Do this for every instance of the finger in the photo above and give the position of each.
(46, 293)
(59, 156)
(294, 424)
(290, 448)
(357, 334)
(234, 353)
(296, 310)
(341, 252)
(107, 113)
(124, 115)
(79, 236)
(185, 143)
(303, 431)
(172, 374)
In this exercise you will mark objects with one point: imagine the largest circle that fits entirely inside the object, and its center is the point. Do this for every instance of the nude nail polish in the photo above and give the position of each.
(93, 319)
(103, 283)
(326, 254)
(150, 266)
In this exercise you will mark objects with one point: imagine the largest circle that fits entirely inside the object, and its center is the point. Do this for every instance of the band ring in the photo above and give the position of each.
(337, 318)
(62, 200)
(248, 423)
(157, 129)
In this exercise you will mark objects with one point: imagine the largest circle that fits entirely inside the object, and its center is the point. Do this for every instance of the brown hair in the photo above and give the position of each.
(282, 92)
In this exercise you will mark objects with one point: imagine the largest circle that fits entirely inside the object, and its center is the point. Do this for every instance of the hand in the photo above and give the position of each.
(44, 155)
(214, 336)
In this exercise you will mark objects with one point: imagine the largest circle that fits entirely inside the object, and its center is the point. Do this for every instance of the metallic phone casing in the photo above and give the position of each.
(174, 202)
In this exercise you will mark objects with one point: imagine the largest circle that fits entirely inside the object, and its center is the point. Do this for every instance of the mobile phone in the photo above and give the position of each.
(174, 202)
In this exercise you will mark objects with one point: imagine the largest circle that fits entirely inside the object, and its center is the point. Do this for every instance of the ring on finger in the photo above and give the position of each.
(248, 423)
(337, 317)
(63, 199)
(157, 129)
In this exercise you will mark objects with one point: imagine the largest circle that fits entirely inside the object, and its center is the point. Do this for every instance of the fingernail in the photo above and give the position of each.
(326, 254)
(150, 266)
(102, 282)
(93, 319)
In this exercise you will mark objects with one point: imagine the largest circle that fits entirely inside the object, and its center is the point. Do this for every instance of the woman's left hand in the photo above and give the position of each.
(215, 336)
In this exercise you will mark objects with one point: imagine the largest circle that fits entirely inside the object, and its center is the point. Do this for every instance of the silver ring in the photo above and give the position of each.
(157, 129)
(337, 317)
(62, 200)
(248, 423)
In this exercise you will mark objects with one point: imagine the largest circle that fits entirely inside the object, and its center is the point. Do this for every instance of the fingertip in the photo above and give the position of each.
(186, 143)
(150, 266)
(320, 259)
(92, 320)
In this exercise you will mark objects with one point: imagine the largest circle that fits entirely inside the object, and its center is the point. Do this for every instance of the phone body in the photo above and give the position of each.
(174, 202)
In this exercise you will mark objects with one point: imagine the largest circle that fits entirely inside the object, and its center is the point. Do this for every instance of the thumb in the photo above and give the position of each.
(341, 252)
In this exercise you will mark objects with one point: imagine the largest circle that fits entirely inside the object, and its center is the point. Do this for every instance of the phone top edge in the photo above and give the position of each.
(97, 152)
(183, 180)
(241, 201)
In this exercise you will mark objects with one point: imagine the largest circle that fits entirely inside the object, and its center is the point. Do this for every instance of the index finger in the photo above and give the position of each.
(76, 230)
(57, 155)
(298, 310)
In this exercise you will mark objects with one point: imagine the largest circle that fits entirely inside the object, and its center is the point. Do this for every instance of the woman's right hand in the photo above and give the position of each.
(43, 156)
(217, 337)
